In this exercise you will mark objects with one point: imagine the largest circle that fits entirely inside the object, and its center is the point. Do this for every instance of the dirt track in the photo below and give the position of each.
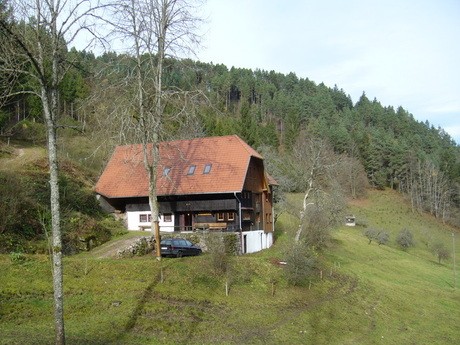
(110, 249)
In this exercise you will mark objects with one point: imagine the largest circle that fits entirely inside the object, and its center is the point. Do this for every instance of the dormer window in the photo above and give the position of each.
(207, 169)
(191, 170)
(166, 171)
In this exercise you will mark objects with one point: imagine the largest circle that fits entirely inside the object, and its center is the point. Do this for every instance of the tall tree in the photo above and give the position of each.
(36, 39)
(156, 30)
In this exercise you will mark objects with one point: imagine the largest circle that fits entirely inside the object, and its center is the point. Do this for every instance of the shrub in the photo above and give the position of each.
(380, 236)
(405, 239)
(17, 257)
(301, 262)
(440, 251)
(371, 234)
(362, 222)
(81, 233)
(219, 257)
(30, 131)
(316, 229)
(231, 244)
(383, 237)
(11, 242)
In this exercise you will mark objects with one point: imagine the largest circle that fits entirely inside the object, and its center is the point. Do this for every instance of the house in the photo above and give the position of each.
(350, 221)
(212, 183)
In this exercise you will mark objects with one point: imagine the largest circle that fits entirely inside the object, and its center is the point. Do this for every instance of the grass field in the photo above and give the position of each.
(369, 294)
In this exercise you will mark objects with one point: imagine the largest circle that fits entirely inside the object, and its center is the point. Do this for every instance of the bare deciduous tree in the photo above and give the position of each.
(429, 188)
(315, 164)
(316, 171)
(35, 41)
(154, 30)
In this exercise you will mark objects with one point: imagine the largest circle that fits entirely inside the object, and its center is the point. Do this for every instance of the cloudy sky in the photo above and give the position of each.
(402, 52)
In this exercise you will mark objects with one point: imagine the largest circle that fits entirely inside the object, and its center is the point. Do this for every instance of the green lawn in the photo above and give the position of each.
(369, 294)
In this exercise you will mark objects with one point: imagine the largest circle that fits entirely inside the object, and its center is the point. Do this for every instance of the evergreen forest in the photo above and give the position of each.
(387, 146)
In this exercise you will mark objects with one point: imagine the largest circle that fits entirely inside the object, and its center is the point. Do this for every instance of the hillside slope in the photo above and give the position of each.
(24, 196)
(369, 294)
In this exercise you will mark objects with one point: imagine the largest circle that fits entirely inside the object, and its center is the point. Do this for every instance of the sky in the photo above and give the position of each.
(401, 52)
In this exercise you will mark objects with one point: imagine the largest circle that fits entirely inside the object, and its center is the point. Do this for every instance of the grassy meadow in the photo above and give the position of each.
(368, 294)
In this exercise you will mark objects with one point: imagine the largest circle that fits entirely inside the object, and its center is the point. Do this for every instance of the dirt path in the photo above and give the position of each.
(110, 249)
(20, 157)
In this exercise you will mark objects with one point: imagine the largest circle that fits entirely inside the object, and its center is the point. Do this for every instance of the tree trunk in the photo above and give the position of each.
(153, 201)
(55, 222)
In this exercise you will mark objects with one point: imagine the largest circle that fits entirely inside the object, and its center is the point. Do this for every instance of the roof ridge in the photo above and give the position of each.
(247, 147)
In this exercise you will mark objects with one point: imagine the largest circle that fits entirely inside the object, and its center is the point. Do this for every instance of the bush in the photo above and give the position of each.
(380, 236)
(18, 258)
(231, 244)
(219, 256)
(383, 237)
(371, 234)
(405, 239)
(301, 262)
(30, 131)
(316, 229)
(11, 242)
(362, 222)
(440, 251)
(81, 233)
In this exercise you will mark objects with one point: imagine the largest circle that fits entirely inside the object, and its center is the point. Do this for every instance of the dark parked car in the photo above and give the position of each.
(178, 247)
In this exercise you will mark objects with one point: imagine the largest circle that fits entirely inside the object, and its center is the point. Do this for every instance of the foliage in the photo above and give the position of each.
(30, 131)
(114, 301)
(18, 257)
(440, 251)
(405, 239)
(25, 215)
(18, 212)
(371, 234)
(301, 263)
(231, 244)
(316, 228)
(82, 232)
(273, 110)
(219, 256)
(383, 237)
(380, 236)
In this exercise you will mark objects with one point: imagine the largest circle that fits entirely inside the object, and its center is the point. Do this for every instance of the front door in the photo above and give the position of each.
(188, 222)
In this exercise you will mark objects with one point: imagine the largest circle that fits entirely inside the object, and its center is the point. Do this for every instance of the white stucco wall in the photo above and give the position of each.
(256, 240)
(133, 222)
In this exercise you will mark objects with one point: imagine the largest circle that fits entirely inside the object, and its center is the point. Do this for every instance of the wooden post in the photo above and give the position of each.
(453, 259)
(156, 226)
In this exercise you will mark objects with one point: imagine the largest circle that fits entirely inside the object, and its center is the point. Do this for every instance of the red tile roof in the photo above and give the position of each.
(229, 156)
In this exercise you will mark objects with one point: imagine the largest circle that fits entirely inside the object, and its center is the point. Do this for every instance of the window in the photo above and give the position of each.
(246, 215)
(143, 218)
(231, 216)
(221, 216)
(247, 195)
(167, 217)
(166, 171)
(207, 168)
(191, 170)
